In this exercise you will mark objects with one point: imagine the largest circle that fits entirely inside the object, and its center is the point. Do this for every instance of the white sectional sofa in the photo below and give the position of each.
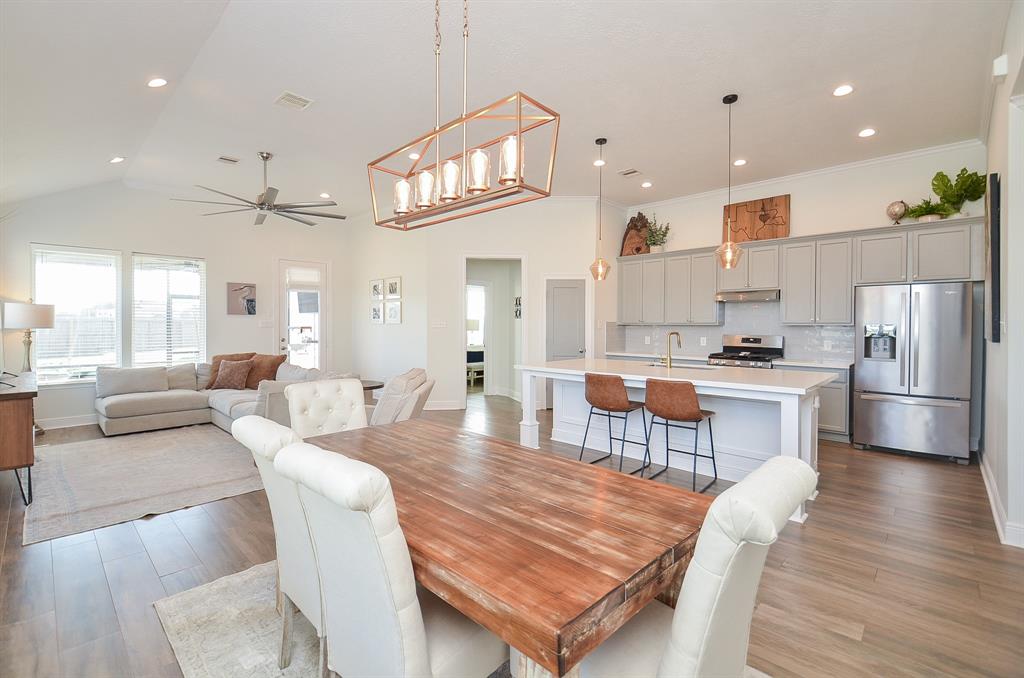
(133, 399)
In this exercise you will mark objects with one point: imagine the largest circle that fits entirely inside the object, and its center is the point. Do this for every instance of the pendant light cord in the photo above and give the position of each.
(465, 80)
(728, 160)
(437, 86)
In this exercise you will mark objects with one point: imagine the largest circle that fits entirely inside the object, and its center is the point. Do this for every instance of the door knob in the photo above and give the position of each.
(583, 350)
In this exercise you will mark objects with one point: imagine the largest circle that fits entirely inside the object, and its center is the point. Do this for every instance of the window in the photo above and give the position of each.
(84, 288)
(304, 307)
(168, 310)
(475, 302)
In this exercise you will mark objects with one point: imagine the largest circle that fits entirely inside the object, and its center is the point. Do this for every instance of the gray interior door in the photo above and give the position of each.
(565, 322)
(940, 346)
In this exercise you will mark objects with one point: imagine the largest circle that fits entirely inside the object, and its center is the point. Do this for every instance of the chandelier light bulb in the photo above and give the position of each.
(509, 163)
(425, 189)
(403, 197)
(451, 178)
(479, 171)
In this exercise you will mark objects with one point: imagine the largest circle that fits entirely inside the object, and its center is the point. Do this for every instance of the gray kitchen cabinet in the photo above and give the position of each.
(758, 269)
(798, 283)
(677, 289)
(735, 278)
(880, 258)
(653, 286)
(834, 282)
(833, 408)
(704, 310)
(631, 291)
(941, 253)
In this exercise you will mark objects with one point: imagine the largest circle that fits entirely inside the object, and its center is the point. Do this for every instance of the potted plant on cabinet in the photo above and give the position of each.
(967, 187)
(657, 235)
(926, 210)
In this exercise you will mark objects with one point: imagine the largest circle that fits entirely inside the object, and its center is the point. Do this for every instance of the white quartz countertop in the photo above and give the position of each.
(739, 378)
(784, 362)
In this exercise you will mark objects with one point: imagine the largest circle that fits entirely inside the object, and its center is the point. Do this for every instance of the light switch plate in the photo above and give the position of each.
(827, 345)
(703, 341)
(647, 340)
(439, 324)
(266, 323)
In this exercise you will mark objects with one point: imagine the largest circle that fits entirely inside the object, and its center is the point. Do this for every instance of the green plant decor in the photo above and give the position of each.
(656, 233)
(926, 207)
(968, 187)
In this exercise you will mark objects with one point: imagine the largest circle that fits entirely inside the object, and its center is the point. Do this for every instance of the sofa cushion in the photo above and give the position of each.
(244, 409)
(182, 376)
(203, 371)
(264, 368)
(232, 374)
(153, 402)
(288, 372)
(117, 380)
(217, 359)
(225, 400)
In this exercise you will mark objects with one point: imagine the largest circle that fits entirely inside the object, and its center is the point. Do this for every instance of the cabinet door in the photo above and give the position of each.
(653, 286)
(630, 291)
(832, 410)
(735, 279)
(941, 253)
(677, 290)
(763, 267)
(798, 283)
(880, 258)
(834, 294)
(703, 276)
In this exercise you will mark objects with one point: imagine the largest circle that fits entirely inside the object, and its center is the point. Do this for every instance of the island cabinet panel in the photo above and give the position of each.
(880, 258)
(833, 408)
(653, 304)
(798, 283)
(704, 310)
(763, 268)
(630, 291)
(677, 290)
(941, 253)
(834, 293)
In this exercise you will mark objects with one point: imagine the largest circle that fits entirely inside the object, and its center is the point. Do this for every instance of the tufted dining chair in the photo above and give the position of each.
(708, 632)
(299, 584)
(378, 622)
(321, 407)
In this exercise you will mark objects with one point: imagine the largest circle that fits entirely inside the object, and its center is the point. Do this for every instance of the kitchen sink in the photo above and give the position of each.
(686, 366)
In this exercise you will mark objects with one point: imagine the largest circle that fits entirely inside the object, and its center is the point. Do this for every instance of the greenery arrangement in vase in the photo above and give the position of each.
(657, 235)
(967, 187)
(926, 210)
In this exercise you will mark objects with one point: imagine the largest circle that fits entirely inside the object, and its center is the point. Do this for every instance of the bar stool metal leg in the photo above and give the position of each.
(644, 463)
(696, 437)
(622, 446)
(714, 466)
(584, 444)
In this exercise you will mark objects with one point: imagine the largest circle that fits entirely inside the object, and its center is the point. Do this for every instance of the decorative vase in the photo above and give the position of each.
(896, 211)
(929, 217)
(657, 249)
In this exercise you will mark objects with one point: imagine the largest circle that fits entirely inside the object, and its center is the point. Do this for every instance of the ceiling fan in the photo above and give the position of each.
(264, 203)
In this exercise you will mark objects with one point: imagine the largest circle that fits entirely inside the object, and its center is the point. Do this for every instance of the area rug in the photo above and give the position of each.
(91, 484)
(230, 628)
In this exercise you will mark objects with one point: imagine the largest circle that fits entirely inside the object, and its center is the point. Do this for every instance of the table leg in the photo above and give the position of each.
(527, 668)
(529, 434)
(790, 443)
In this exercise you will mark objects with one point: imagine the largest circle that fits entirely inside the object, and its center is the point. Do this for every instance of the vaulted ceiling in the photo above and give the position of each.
(647, 75)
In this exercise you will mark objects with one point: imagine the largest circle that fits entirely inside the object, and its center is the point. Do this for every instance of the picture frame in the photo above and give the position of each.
(241, 298)
(377, 289)
(393, 288)
(994, 251)
(392, 312)
(377, 313)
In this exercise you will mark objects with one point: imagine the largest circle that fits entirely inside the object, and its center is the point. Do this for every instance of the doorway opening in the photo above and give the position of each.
(493, 339)
(302, 313)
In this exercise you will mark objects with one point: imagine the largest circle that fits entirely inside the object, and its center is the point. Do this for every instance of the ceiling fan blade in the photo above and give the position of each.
(319, 203)
(260, 218)
(269, 196)
(214, 190)
(310, 213)
(207, 202)
(287, 215)
(244, 209)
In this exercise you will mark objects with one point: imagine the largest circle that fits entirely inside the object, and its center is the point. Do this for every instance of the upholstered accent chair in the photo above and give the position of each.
(299, 583)
(403, 397)
(378, 622)
(321, 407)
(708, 632)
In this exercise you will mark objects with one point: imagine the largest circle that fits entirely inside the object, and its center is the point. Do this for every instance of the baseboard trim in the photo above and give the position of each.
(67, 422)
(1011, 534)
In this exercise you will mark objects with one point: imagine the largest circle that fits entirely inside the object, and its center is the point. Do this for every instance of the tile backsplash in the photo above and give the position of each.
(802, 342)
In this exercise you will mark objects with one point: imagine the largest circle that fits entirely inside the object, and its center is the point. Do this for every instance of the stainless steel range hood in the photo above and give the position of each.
(753, 295)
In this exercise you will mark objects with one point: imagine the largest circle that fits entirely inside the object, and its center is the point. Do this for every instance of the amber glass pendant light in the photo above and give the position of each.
(599, 269)
(729, 252)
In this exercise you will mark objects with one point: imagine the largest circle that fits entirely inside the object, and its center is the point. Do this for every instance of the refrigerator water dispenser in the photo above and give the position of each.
(880, 342)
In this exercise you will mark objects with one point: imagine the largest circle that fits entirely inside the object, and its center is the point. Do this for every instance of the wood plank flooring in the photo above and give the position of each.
(898, 572)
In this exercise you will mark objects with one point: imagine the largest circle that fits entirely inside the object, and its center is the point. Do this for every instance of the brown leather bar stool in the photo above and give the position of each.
(676, 401)
(607, 396)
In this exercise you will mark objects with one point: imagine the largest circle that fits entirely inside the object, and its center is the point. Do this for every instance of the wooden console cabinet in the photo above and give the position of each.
(17, 448)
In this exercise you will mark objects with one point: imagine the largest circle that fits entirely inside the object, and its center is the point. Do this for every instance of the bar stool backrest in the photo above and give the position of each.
(672, 400)
(606, 392)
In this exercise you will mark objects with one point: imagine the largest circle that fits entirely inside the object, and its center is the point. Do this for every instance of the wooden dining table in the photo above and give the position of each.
(550, 554)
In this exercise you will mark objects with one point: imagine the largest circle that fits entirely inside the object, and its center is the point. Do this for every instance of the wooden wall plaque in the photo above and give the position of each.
(634, 240)
(761, 219)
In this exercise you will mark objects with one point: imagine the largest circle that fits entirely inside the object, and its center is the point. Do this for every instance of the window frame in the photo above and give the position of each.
(129, 306)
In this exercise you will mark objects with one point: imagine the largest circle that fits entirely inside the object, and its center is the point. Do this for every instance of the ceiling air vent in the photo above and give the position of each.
(227, 160)
(628, 172)
(292, 100)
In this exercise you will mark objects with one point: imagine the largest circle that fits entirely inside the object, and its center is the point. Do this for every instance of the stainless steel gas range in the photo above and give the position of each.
(748, 350)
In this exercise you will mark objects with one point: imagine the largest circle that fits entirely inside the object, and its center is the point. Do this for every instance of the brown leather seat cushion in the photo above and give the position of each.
(608, 392)
(674, 400)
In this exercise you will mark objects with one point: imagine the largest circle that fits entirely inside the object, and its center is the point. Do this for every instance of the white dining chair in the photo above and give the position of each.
(401, 398)
(299, 584)
(707, 634)
(378, 622)
(321, 407)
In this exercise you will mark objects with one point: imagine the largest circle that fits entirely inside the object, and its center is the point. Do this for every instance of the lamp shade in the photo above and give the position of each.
(22, 316)
(472, 325)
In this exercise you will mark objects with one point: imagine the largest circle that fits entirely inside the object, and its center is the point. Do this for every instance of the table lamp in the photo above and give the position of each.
(28, 317)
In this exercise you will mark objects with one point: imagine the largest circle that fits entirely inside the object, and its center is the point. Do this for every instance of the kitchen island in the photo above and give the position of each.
(759, 413)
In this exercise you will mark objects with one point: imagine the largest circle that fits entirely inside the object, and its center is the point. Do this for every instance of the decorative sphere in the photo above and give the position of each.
(896, 211)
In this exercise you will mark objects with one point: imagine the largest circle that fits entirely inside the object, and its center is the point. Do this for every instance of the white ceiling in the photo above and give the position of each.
(647, 75)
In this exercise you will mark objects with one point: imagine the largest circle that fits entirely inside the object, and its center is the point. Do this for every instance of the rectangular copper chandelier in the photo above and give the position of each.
(450, 173)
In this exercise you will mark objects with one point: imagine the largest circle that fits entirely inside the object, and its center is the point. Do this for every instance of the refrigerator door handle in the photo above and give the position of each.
(919, 402)
(915, 330)
(903, 340)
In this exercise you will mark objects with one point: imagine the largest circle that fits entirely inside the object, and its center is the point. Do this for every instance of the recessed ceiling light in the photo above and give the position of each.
(325, 196)
(739, 162)
(842, 90)
(646, 184)
(599, 163)
(866, 132)
(156, 82)
(116, 159)
(414, 156)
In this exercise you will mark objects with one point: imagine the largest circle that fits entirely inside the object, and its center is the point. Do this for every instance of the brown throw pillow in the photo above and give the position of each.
(264, 367)
(232, 374)
(217, 359)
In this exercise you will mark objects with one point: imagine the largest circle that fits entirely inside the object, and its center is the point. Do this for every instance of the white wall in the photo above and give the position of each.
(502, 330)
(112, 216)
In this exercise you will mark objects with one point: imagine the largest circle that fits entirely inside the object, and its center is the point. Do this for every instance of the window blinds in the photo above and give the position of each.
(168, 310)
(84, 288)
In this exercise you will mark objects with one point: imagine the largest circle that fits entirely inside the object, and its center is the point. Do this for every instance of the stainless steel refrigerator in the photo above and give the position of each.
(912, 377)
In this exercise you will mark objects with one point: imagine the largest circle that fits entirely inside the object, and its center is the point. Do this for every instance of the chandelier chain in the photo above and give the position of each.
(465, 18)
(437, 27)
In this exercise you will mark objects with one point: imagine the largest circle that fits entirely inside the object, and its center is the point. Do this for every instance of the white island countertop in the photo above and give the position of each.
(737, 378)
